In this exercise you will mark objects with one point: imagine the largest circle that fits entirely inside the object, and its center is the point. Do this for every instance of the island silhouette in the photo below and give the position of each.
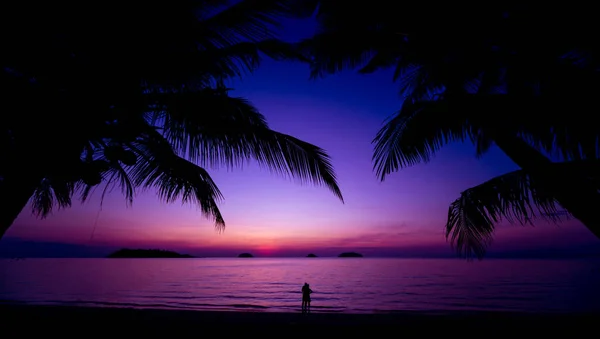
(350, 255)
(245, 255)
(146, 253)
(311, 255)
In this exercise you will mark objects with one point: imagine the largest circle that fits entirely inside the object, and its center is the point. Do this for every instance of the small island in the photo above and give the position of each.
(350, 255)
(311, 255)
(245, 255)
(149, 253)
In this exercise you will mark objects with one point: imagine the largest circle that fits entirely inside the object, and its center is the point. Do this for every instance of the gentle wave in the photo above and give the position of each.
(197, 307)
(273, 285)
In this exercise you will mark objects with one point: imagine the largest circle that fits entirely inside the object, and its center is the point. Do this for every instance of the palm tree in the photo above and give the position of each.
(136, 97)
(491, 78)
(413, 137)
(516, 197)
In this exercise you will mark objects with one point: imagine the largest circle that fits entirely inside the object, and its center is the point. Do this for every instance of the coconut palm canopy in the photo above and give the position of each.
(493, 74)
(136, 97)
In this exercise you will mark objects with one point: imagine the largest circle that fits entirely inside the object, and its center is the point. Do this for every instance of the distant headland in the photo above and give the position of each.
(245, 255)
(350, 255)
(311, 255)
(141, 253)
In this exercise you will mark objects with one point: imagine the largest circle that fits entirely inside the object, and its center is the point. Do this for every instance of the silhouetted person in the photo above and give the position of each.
(306, 291)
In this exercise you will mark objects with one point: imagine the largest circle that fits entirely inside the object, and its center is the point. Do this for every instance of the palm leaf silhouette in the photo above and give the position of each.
(515, 197)
(138, 100)
(496, 84)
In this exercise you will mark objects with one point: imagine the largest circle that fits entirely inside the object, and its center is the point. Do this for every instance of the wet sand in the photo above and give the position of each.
(92, 321)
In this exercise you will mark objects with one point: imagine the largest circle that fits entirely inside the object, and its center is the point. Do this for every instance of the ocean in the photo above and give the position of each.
(346, 285)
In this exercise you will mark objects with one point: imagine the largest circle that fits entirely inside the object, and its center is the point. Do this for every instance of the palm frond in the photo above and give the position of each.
(50, 194)
(299, 159)
(127, 54)
(417, 131)
(369, 50)
(248, 20)
(213, 129)
(162, 45)
(565, 138)
(237, 59)
(516, 197)
(421, 127)
(175, 178)
(117, 175)
(115, 160)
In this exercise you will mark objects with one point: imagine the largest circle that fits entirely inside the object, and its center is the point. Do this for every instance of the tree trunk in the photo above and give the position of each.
(15, 192)
(576, 194)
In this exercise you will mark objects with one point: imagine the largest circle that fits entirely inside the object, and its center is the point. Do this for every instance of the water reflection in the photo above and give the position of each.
(340, 285)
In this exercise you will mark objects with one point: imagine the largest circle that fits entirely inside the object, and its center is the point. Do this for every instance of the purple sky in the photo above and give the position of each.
(269, 215)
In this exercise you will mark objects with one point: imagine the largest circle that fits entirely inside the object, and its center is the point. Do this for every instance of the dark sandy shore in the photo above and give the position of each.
(87, 322)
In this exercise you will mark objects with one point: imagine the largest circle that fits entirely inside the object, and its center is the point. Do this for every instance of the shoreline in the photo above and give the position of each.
(19, 318)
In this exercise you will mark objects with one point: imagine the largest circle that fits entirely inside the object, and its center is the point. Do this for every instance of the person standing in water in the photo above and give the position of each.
(306, 291)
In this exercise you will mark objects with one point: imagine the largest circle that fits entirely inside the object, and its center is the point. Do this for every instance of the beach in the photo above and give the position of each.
(77, 321)
(182, 297)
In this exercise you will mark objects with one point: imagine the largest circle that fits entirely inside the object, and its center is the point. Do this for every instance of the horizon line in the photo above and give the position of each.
(327, 257)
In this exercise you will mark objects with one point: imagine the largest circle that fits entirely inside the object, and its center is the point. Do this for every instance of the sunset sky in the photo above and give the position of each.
(269, 216)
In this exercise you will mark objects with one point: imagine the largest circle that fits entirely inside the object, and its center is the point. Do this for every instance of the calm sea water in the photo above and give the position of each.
(352, 285)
